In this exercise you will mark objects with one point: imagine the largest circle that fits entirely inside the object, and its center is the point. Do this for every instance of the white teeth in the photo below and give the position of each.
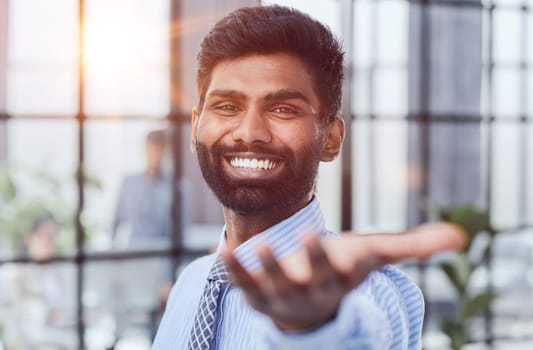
(254, 163)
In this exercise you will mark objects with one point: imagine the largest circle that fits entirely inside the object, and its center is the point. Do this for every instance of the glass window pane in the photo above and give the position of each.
(41, 90)
(138, 91)
(38, 306)
(329, 192)
(507, 36)
(505, 168)
(393, 31)
(380, 199)
(390, 93)
(362, 33)
(120, 306)
(43, 144)
(510, 3)
(361, 92)
(38, 183)
(530, 34)
(441, 302)
(390, 142)
(43, 32)
(506, 94)
(486, 39)
(529, 207)
(512, 273)
(126, 56)
(361, 173)
(42, 53)
(529, 98)
(120, 199)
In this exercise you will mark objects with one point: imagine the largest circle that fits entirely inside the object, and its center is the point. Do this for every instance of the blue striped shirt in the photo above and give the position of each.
(384, 312)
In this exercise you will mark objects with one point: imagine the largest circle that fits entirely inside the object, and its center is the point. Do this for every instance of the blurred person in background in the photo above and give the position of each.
(142, 221)
(143, 212)
(35, 306)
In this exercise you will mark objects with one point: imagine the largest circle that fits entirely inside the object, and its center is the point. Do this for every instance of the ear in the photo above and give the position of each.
(194, 126)
(333, 140)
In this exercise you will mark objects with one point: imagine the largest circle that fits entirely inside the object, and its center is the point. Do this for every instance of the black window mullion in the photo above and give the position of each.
(80, 118)
(176, 120)
(347, 20)
(489, 144)
(423, 127)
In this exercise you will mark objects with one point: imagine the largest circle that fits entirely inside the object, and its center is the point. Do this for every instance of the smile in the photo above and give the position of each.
(253, 163)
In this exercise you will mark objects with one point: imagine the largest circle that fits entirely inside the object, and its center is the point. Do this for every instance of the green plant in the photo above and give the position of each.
(476, 223)
(29, 194)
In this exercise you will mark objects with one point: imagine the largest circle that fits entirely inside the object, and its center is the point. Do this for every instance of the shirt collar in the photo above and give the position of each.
(283, 238)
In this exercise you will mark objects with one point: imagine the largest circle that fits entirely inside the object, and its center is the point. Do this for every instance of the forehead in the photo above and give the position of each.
(256, 76)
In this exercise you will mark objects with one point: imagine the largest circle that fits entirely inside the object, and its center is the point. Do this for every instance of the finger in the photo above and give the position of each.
(239, 275)
(420, 243)
(276, 282)
(426, 240)
(243, 279)
(325, 278)
(441, 236)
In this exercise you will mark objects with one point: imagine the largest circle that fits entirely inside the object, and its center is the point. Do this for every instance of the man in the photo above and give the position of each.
(145, 199)
(143, 220)
(269, 83)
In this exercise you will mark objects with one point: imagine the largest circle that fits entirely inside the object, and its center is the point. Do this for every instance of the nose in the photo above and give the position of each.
(252, 127)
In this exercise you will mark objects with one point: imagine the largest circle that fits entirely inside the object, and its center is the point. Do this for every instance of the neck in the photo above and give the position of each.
(240, 228)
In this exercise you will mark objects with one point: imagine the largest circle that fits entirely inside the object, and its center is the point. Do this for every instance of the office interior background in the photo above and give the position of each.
(438, 101)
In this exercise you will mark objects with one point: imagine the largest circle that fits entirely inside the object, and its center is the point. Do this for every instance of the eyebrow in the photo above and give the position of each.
(287, 94)
(227, 94)
(280, 95)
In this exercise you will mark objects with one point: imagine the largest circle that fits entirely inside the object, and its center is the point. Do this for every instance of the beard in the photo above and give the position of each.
(250, 197)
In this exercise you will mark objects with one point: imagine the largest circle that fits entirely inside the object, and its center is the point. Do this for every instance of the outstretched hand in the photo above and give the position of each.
(304, 290)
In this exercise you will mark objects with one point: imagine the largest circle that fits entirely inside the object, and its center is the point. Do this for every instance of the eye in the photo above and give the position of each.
(227, 109)
(284, 110)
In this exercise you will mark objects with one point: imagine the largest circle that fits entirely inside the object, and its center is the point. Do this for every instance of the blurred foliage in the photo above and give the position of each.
(27, 195)
(459, 270)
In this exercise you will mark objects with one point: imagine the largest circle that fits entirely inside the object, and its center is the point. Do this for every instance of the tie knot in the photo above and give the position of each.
(218, 272)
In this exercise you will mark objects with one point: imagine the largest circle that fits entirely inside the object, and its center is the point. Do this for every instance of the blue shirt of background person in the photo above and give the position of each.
(145, 199)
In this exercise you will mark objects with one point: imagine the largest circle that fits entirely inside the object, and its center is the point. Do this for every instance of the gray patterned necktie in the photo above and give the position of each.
(204, 326)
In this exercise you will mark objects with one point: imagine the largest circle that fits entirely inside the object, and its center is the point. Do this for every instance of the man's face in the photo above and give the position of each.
(155, 153)
(258, 136)
(41, 242)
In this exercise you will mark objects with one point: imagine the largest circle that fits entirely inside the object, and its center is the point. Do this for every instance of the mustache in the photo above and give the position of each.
(219, 150)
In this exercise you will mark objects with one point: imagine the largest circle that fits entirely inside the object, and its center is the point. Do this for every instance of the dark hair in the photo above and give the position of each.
(276, 29)
(38, 222)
